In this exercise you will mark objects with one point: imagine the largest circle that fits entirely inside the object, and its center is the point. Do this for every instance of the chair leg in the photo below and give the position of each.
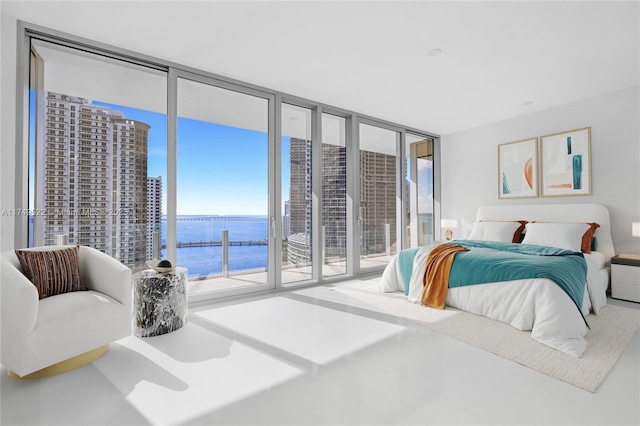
(66, 365)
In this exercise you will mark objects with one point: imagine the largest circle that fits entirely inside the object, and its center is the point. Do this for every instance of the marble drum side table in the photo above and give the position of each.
(159, 302)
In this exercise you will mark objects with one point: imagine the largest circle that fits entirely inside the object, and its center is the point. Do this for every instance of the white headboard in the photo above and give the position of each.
(557, 213)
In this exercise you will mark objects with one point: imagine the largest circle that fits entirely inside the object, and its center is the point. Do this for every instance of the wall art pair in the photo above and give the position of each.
(549, 166)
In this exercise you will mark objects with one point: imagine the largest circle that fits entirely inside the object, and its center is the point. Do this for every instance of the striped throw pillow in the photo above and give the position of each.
(52, 271)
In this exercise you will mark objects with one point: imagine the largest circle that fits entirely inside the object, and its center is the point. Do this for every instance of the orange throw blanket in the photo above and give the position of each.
(436, 276)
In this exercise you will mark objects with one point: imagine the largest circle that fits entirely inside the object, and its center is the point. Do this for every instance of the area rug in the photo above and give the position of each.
(611, 331)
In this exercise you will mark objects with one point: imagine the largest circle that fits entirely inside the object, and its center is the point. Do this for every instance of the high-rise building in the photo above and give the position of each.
(299, 237)
(334, 196)
(286, 220)
(91, 177)
(377, 202)
(154, 216)
(300, 187)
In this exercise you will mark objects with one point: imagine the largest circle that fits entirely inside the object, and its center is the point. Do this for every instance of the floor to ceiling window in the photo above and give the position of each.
(334, 195)
(420, 207)
(297, 217)
(145, 159)
(222, 226)
(97, 152)
(378, 195)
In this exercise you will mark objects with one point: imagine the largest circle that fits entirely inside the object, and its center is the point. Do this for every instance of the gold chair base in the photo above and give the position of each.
(66, 365)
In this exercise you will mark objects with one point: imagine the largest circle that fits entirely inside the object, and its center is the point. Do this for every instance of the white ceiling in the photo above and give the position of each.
(372, 57)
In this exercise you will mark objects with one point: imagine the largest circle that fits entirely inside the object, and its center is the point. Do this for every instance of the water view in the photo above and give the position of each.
(206, 259)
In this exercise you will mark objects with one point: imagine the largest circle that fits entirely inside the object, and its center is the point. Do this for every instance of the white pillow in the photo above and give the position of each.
(494, 231)
(561, 235)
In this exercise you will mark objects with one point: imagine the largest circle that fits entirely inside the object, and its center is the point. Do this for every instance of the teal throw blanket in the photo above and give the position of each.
(490, 261)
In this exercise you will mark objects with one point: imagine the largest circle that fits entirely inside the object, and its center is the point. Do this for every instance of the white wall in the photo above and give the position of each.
(470, 161)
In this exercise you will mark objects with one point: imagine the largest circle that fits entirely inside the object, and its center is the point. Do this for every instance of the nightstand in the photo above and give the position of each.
(625, 277)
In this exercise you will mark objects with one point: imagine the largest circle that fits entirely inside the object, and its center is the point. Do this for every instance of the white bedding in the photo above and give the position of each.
(536, 304)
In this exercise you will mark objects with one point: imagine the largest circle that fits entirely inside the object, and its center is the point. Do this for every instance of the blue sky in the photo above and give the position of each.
(222, 170)
(425, 186)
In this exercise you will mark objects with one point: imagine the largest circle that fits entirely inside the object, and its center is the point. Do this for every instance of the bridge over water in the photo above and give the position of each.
(214, 218)
(220, 218)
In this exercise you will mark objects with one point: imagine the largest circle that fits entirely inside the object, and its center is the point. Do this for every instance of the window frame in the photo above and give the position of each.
(27, 31)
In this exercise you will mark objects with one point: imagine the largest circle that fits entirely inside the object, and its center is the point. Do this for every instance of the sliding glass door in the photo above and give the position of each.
(334, 196)
(420, 185)
(378, 195)
(247, 188)
(222, 202)
(314, 177)
(296, 181)
(98, 145)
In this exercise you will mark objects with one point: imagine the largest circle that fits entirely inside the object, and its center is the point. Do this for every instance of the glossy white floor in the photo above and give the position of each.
(312, 356)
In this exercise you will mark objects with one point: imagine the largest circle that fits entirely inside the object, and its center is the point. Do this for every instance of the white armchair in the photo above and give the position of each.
(59, 333)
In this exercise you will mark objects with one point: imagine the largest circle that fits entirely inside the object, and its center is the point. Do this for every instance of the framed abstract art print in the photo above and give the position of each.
(518, 169)
(566, 163)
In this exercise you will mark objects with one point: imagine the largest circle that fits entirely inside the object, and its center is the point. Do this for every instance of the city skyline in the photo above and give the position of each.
(96, 155)
(157, 157)
(157, 162)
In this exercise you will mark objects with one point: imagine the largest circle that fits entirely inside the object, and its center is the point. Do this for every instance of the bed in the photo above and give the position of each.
(534, 304)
